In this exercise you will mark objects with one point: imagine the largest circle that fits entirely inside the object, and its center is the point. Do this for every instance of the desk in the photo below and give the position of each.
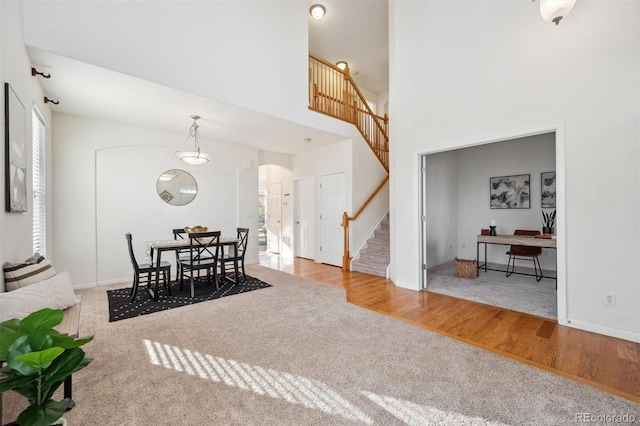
(181, 244)
(513, 240)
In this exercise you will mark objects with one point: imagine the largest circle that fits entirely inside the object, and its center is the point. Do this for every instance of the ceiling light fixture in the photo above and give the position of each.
(343, 65)
(555, 10)
(194, 157)
(317, 11)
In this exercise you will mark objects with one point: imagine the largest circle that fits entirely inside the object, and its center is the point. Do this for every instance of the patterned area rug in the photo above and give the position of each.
(120, 306)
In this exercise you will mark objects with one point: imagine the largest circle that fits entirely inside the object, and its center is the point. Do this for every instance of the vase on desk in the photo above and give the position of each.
(547, 230)
(492, 230)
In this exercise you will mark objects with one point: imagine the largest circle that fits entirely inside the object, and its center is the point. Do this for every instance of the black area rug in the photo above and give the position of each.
(120, 306)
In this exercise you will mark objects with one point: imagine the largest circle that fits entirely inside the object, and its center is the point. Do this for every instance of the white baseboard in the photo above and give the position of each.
(607, 331)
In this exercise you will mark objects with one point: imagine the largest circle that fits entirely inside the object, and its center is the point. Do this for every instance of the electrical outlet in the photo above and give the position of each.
(610, 299)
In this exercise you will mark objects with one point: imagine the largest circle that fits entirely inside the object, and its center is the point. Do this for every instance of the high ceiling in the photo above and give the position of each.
(119, 98)
(354, 31)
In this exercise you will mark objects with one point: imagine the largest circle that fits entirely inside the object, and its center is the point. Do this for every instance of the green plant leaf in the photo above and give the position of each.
(41, 359)
(20, 347)
(42, 320)
(65, 365)
(64, 341)
(10, 325)
(42, 415)
(39, 341)
(11, 379)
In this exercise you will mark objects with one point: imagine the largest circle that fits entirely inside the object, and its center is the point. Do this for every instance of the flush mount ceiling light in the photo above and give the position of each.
(555, 10)
(342, 65)
(194, 157)
(317, 11)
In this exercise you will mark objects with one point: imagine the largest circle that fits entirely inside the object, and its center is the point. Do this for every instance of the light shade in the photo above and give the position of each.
(317, 11)
(555, 10)
(342, 65)
(194, 157)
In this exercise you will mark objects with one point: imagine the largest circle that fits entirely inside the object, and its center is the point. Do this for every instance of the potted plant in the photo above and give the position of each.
(548, 220)
(38, 360)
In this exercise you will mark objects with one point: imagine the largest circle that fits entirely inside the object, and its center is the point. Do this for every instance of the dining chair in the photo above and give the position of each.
(236, 260)
(203, 256)
(183, 254)
(145, 273)
(525, 253)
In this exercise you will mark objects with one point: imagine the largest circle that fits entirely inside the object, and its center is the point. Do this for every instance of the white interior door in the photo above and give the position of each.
(274, 218)
(305, 229)
(333, 198)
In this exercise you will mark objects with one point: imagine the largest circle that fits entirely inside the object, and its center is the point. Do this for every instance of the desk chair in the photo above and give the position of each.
(525, 253)
(145, 273)
(236, 259)
(204, 250)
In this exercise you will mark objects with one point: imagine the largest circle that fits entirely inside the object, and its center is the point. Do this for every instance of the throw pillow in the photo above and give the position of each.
(55, 293)
(33, 270)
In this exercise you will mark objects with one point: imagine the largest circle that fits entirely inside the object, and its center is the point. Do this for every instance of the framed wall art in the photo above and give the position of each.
(15, 153)
(509, 192)
(548, 182)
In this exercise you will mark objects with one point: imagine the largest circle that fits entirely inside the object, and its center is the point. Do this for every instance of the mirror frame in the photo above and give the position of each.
(161, 190)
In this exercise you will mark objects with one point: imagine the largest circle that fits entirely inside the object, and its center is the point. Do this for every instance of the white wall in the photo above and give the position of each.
(442, 208)
(476, 165)
(464, 72)
(105, 185)
(15, 68)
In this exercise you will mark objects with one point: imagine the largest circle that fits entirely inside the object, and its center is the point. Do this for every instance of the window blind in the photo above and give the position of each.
(39, 184)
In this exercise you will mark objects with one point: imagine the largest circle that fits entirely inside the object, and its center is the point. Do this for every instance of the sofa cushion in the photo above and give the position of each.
(33, 270)
(55, 293)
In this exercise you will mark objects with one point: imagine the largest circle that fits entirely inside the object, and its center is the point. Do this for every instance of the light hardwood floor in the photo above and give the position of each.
(606, 363)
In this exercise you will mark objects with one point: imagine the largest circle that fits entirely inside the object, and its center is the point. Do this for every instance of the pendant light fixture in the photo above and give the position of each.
(555, 10)
(194, 157)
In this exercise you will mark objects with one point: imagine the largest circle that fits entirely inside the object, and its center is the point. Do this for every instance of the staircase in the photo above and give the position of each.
(375, 258)
(333, 92)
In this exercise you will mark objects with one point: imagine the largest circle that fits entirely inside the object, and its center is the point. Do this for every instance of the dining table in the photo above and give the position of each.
(161, 246)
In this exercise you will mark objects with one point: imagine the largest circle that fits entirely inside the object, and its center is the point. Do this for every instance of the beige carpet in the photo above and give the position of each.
(520, 293)
(299, 354)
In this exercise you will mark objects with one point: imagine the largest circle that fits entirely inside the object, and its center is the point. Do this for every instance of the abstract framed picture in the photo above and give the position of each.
(509, 192)
(14, 153)
(548, 190)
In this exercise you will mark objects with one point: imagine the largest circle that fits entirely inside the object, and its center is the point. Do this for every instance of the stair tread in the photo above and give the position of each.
(369, 263)
(375, 251)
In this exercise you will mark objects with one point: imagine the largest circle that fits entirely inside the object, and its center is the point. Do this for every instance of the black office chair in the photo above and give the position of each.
(145, 273)
(236, 260)
(203, 256)
(525, 253)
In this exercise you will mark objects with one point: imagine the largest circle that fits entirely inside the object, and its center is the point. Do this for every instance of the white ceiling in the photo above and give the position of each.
(95, 92)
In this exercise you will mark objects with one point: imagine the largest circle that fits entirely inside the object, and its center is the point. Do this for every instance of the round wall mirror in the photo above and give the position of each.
(177, 187)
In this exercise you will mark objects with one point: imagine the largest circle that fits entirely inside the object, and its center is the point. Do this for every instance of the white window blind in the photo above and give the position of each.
(39, 185)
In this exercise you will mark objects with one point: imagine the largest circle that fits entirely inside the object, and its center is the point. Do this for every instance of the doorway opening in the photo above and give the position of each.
(455, 206)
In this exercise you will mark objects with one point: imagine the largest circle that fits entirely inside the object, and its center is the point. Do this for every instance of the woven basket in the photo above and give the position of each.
(465, 268)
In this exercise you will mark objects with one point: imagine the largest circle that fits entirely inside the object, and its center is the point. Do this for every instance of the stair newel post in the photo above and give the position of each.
(346, 255)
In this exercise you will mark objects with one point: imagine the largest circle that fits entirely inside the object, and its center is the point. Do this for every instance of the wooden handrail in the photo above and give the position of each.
(346, 255)
(332, 91)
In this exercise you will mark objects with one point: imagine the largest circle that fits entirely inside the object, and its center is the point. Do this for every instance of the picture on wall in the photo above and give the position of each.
(509, 192)
(15, 154)
(548, 182)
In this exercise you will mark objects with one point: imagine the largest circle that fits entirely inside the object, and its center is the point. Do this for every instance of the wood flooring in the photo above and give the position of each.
(606, 363)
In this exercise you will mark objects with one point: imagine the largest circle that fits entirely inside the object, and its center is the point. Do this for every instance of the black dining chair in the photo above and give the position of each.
(145, 273)
(236, 260)
(203, 256)
(183, 254)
